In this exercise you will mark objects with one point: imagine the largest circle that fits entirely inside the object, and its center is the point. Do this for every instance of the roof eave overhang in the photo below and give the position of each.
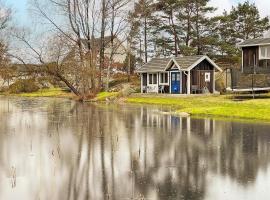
(152, 71)
(253, 45)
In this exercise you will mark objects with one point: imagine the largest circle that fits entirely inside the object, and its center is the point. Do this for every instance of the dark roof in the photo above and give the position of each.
(159, 64)
(254, 42)
(156, 64)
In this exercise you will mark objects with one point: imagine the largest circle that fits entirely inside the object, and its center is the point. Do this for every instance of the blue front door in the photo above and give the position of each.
(175, 82)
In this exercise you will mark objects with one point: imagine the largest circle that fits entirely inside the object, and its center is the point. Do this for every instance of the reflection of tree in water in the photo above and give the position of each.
(122, 152)
(182, 152)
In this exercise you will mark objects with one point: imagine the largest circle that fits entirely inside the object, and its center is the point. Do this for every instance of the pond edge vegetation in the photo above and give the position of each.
(214, 106)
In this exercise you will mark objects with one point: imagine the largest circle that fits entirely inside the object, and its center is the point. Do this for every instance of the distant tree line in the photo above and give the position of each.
(189, 27)
(71, 47)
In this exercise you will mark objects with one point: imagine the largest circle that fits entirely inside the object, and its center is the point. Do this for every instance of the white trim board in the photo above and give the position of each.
(202, 59)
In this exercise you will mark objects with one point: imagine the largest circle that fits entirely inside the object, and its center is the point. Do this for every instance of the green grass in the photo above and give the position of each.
(50, 92)
(102, 96)
(215, 106)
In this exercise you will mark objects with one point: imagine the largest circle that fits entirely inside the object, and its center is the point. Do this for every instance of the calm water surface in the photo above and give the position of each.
(60, 149)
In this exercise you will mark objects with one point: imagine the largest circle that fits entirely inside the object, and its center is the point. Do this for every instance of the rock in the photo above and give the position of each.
(183, 114)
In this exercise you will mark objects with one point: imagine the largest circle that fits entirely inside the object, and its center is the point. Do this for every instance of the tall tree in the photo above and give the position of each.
(6, 73)
(142, 16)
(167, 10)
(201, 24)
(82, 21)
(224, 28)
(102, 39)
(117, 24)
(248, 22)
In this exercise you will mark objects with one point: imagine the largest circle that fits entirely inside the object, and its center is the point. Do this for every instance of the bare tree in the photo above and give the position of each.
(6, 73)
(79, 25)
(117, 17)
(51, 58)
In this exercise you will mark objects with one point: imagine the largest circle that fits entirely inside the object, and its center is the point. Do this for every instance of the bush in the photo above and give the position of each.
(3, 89)
(23, 86)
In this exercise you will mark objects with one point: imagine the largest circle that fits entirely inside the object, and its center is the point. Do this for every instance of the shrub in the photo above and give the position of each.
(23, 86)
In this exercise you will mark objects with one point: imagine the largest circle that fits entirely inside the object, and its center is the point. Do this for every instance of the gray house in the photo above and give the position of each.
(179, 75)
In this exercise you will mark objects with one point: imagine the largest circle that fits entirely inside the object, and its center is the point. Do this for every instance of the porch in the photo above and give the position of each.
(199, 80)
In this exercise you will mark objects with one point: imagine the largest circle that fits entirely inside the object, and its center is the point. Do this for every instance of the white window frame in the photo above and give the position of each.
(207, 77)
(148, 79)
(267, 47)
(165, 83)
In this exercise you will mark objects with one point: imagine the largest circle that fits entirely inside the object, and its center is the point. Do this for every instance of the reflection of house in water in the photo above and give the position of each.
(151, 117)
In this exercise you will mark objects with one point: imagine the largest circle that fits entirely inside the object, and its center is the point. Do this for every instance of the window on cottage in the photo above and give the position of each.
(152, 79)
(163, 78)
(268, 52)
(265, 52)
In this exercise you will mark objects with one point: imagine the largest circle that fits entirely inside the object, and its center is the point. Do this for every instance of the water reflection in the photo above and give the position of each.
(59, 149)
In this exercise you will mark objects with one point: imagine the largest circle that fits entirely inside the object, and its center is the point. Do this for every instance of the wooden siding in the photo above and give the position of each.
(250, 57)
(184, 83)
(198, 76)
(251, 60)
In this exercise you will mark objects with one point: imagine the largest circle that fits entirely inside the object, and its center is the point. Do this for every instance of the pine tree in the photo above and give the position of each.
(247, 21)
(168, 23)
(202, 25)
(141, 22)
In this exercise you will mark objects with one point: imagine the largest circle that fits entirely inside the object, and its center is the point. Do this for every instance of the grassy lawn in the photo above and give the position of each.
(216, 106)
(50, 92)
(102, 96)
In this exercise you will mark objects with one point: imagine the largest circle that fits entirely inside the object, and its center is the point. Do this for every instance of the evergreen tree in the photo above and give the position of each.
(226, 43)
(141, 19)
(169, 24)
(247, 22)
(202, 25)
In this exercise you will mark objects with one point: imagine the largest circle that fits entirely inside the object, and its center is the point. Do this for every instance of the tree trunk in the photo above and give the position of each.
(68, 84)
(102, 42)
(145, 40)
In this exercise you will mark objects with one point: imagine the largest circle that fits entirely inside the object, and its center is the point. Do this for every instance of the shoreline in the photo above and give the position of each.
(213, 106)
(210, 106)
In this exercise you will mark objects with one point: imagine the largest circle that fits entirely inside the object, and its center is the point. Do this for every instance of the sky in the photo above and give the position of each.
(21, 8)
(263, 5)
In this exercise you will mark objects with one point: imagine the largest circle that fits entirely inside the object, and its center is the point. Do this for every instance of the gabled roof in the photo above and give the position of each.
(185, 63)
(255, 42)
(155, 65)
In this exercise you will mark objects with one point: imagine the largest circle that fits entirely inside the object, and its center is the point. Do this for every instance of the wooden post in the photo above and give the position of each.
(253, 76)
(188, 83)
(141, 83)
(214, 81)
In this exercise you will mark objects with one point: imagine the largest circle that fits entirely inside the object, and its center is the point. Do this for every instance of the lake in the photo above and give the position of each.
(61, 149)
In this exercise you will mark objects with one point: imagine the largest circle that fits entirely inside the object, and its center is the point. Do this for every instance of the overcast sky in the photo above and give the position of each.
(263, 5)
(21, 11)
